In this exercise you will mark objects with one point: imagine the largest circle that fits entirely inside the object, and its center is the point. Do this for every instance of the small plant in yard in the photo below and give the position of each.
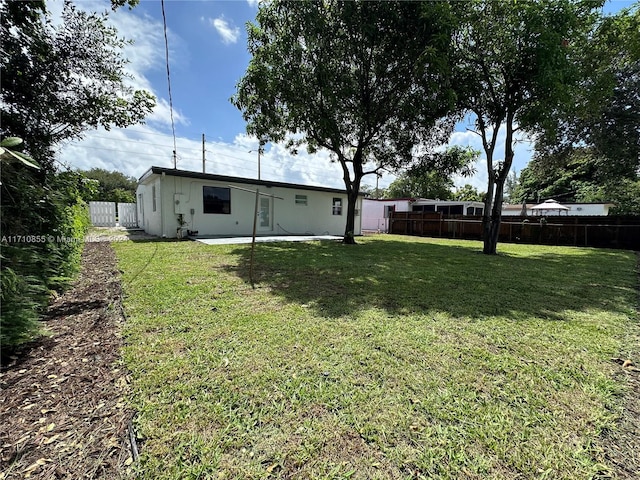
(400, 358)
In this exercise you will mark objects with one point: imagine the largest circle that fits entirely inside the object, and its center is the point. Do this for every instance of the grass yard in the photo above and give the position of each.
(396, 358)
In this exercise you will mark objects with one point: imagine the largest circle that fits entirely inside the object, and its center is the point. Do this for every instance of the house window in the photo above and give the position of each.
(153, 196)
(337, 206)
(216, 200)
(301, 200)
(423, 208)
(388, 210)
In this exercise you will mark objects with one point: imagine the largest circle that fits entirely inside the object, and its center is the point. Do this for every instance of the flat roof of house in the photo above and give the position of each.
(405, 199)
(224, 178)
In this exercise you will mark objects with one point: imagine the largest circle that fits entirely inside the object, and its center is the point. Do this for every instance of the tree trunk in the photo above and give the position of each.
(492, 226)
(349, 235)
(353, 188)
(487, 215)
(492, 230)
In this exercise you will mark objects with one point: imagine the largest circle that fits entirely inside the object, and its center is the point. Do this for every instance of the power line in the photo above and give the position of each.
(140, 142)
(166, 49)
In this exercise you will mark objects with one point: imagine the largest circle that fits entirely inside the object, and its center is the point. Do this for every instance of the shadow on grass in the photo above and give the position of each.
(403, 277)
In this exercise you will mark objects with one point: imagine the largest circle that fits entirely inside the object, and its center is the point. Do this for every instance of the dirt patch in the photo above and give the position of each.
(62, 400)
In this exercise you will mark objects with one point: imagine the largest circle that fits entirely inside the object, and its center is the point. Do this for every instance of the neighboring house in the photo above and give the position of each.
(448, 207)
(217, 205)
(376, 213)
(575, 209)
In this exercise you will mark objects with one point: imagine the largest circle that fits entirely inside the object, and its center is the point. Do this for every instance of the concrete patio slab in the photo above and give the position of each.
(264, 239)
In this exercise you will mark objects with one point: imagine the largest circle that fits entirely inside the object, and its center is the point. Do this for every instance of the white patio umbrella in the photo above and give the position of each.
(549, 205)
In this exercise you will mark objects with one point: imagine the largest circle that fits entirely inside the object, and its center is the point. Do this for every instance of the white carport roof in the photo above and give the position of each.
(550, 204)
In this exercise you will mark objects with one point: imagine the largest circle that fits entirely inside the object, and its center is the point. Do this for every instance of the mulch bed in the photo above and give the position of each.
(62, 397)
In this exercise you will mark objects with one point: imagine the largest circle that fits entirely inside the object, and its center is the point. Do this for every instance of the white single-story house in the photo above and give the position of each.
(172, 202)
(574, 209)
(376, 212)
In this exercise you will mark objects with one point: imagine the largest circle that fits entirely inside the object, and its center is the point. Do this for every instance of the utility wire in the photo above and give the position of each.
(166, 49)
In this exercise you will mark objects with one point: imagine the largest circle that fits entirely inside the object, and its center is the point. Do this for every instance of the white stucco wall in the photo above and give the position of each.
(591, 209)
(287, 217)
(149, 219)
(373, 218)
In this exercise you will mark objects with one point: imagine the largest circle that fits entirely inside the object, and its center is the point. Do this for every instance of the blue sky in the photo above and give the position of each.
(208, 55)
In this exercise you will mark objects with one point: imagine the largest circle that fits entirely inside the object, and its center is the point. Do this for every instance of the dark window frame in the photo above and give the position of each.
(216, 205)
(336, 206)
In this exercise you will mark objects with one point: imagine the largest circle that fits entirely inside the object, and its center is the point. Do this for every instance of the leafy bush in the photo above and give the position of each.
(44, 222)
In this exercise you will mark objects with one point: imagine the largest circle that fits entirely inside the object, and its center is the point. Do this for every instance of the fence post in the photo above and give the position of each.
(586, 243)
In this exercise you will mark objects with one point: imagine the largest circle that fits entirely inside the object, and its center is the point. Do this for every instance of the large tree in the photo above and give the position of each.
(590, 150)
(514, 66)
(365, 80)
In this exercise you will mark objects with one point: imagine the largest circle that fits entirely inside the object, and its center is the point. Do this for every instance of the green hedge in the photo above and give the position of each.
(43, 229)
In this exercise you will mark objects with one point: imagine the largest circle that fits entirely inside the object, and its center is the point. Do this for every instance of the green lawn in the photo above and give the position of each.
(396, 358)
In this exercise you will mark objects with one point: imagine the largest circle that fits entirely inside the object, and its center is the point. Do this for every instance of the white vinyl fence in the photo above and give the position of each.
(127, 215)
(103, 214)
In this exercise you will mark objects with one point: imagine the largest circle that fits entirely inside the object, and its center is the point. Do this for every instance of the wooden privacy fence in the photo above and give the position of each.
(104, 214)
(608, 232)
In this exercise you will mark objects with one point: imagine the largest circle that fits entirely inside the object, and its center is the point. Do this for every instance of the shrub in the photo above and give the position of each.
(43, 228)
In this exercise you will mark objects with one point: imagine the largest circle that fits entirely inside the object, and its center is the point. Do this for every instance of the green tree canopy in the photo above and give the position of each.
(367, 81)
(432, 176)
(604, 112)
(468, 193)
(578, 175)
(113, 186)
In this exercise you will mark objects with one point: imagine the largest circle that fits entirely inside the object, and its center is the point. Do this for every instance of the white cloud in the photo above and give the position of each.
(162, 114)
(253, 3)
(134, 150)
(229, 33)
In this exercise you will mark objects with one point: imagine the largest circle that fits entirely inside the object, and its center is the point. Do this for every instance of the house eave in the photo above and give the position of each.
(224, 178)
